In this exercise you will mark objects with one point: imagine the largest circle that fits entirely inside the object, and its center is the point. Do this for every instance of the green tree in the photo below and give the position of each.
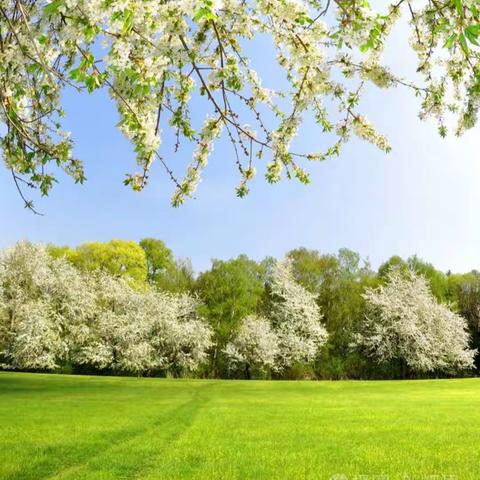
(464, 292)
(230, 290)
(63, 251)
(164, 271)
(436, 279)
(159, 258)
(118, 257)
(338, 281)
(393, 263)
(181, 278)
(311, 268)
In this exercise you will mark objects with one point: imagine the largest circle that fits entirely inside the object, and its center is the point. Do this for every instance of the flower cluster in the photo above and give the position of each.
(255, 346)
(156, 57)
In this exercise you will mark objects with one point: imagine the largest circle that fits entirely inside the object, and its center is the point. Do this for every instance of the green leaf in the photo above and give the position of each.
(127, 21)
(450, 41)
(472, 33)
(90, 32)
(367, 46)
(87, 61)
(205, 12)
(92, 82)
(53, 7)
(303, 19)
(459, 6)
(76, 74)
(463, 43)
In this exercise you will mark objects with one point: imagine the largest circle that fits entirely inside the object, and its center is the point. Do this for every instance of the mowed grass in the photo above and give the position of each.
(72, 427)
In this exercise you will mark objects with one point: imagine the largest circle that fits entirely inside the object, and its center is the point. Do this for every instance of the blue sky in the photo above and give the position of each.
(422, 198)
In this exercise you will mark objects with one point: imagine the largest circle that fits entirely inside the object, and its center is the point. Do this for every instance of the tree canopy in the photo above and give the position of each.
(156, 57)
(230, 291)
(118, 257)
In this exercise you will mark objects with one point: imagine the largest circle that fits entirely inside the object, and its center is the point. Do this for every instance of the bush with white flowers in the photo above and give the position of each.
(405, 322)
(254, 347)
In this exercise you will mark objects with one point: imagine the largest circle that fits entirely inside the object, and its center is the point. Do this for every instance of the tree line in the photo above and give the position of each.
(129, 308)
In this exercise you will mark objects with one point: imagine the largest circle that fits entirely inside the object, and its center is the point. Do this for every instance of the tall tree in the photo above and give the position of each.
(395, 262)
(230, 290)
(338, 282)
(288, 338)
(164, 271)
(159, 258)
(464, 292)
(44, 306)
(296, 318)
(311, 268)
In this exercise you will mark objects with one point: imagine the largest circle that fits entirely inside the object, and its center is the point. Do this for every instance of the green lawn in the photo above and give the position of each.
(72, 427)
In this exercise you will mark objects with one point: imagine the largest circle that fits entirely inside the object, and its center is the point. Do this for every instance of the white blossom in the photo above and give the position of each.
(156, 57)
(254, 346)
(51, 314)
(296, 318)
(406, 322)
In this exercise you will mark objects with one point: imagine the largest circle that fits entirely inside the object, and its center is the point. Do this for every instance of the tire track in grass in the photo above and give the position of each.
(130, 458)
(47, 461)
(54, 455)
(41, 457)
(200, 400)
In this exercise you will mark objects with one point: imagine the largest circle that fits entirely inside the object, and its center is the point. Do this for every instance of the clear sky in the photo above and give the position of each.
(422, 198)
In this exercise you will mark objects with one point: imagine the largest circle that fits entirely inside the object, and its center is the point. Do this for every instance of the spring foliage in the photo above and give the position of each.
(154, 57)
(405, 322)
(53, 314)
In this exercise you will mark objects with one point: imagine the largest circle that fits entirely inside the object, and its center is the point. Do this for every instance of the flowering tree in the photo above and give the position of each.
(141, 332)
(405, 322)
(295, 317)
(44, 307)
(291, 333)
(51, 313)
(154, 57)
(254, 347)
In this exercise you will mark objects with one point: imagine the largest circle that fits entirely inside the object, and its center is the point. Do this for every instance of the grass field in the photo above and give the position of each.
(72, 427)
